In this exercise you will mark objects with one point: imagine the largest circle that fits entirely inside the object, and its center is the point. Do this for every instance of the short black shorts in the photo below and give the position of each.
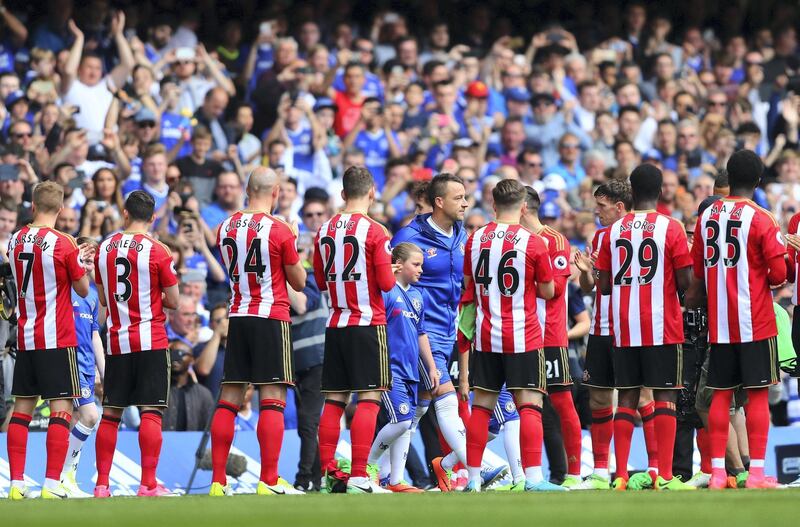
(656, 367)
(518, 371)
(137, 379)
(556, 366)
(599, 363)
(749, 364)
(47, 373)
(259, 351)
(356, 360)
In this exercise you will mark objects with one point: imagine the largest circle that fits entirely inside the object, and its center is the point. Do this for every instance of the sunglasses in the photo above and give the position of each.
(717, 103)
(365, 50)
(543, 103)
(570, 145)
(146, 124)
(21, 135)
(532, 164)
(470, 180)
(314, 214)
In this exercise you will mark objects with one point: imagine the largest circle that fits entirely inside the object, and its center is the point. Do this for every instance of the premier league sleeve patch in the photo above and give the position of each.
(560, 262)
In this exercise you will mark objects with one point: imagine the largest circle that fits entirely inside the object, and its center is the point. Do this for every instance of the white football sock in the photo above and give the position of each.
(398, 453)
(77, 437)
(451, 426)
(422, 408)
(511, 444)
(534, 474)
(387, 435)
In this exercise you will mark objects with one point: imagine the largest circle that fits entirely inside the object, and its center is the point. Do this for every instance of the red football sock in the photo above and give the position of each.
(463, 410)
(704, 446)
(105, 444)
(477, 434)
(650, 437)
(570, 429)
(270, 438)
(624, 421)
(222, 430)
(57, 443)
(530, 435)
(328, 433)
(362, 432)
(17, 444)
(718, 423)
(757, 412)
(666, 424)
(150, 446)
(602, 430)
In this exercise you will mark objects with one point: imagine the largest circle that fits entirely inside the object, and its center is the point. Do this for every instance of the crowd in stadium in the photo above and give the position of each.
(185, 101)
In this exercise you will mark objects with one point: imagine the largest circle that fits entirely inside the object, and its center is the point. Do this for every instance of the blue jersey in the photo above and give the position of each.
(442, 273)
(172, 127)
(375, 146)
(405, 322)
(86, 311)
(303, 147)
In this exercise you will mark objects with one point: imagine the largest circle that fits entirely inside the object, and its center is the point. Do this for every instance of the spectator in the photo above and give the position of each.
(83, 84)
(199, 168)
(183, 322)
(548, 126)
(210, 356)
(569, 166)
(309, 310)
(210, 115)
(190, 404)
(228, 198)
(372, 135)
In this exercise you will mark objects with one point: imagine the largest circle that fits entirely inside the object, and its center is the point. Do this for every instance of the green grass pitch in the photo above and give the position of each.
(706, 508)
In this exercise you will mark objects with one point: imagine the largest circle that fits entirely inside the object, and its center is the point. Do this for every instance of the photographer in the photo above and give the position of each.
(190, 404)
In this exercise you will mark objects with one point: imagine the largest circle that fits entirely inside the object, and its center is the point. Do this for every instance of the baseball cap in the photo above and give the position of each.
(517, 94)
(477, 89)
(554, 182)
(143, 115)
(325, 102)
(550, 209)
(653, 155)
(545, 96)
(185, 53)
(14, 97)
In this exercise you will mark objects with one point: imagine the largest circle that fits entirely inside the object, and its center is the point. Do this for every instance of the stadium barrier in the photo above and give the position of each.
(177, 459)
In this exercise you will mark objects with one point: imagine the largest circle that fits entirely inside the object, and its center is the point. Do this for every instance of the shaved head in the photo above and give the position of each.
(262, 181)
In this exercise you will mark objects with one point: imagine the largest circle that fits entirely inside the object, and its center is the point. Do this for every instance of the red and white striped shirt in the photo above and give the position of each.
(255, 247)
(134, 270)
(44, 262)
(601, 319)
(553, 313)
(353, 261)
(794, 261)
(506, 263)
(642, 252)
(733, 241)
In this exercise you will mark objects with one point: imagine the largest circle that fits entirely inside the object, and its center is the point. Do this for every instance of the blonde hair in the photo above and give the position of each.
(39, 54)
(403, 251)
(48, 197)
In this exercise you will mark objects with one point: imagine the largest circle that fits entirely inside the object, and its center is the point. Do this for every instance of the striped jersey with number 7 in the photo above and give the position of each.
(353, 261)
(134, 270)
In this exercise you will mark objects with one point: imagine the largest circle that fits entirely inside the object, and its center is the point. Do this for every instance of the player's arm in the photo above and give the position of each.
(292, 266)
(170, 297)
(604, 282)
(774, 250)
(81, 286)
(382, 258)
(101, 294)
(296, 276)
(316, 261)
(585, 264)
(683, 278)
(99, 354)
(463, 376)
(427, 359)
(80, 264)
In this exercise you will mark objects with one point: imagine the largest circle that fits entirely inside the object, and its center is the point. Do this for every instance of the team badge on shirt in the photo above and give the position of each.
(510, 406)
(403, 408)
(431, 252)
(416, 303)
